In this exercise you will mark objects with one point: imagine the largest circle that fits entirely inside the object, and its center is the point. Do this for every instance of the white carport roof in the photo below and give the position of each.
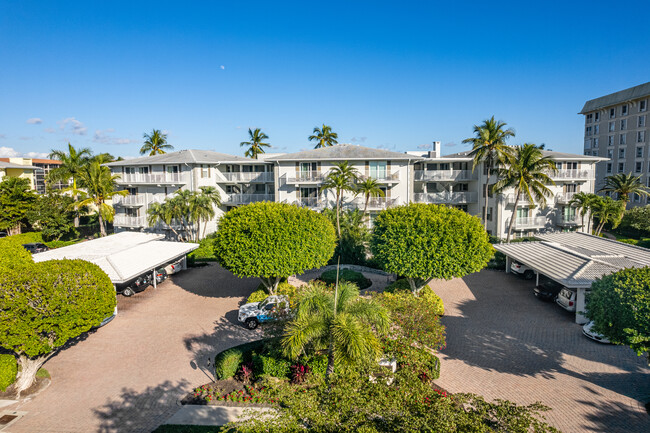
(123, 256)
(576, 259)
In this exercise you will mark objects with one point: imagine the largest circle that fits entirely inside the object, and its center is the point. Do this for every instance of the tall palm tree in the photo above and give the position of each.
(340, 322)
(527, 171)
(369, 188)
(489, 148)
(99, 186)
(607, 210)
(213, 199)
(180, 209)
(340, 178)
(71, 165)
(256, 144)
(155, 143)
(161, 212)
(324, 137)
(624, 185)
(582, 201)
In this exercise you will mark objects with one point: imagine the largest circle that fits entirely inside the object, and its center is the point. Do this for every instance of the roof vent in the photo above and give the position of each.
(435, 152)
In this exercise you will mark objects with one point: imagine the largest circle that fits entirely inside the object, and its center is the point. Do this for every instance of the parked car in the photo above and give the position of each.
(161, 275)
(524, 270)
(548, 290)
(136, 286)
(174, 268)
(36, 247)
(255, 313)
(567, 299)
(588, 331)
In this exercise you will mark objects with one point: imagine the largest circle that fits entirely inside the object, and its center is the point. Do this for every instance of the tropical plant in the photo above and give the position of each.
(352, 246)
(637, 221)
(161, 213)
(338, 321)
(256, 143)
(272, 241)
(368, 188)
(98, 187)
(53, 214)
(583, 202)
(340, 178)
(527, 171)
(607, 210)
(324, 137)
(155, 143)
(624, 185)
(202, 207)
(71, 166)
(422, 242)
(17, 200)
(489, 148)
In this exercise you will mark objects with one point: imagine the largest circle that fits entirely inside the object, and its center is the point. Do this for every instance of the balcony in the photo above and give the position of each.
(445, 175)
(523, 200)
(569, 220)
(528, 223)
(310, 202)
(150, 178)
(306, 177)
(248, 198)
(447, 197)
(573, 175)
(249, 177)
(383, 178)
(375, 203)
(129, 221)
(564, 198)
(130, 200)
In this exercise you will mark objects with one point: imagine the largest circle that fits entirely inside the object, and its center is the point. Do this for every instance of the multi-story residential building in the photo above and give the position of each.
(616, 128)
(36, 170)
(297, 178)
(16, 167)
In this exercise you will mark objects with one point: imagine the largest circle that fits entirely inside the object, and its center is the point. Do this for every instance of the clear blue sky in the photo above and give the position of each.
(396, 75)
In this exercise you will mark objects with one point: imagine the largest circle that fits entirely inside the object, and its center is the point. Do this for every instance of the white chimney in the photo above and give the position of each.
(435, 152)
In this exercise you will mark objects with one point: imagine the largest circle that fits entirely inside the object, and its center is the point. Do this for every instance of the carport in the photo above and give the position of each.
(124, 256)
(575, 260)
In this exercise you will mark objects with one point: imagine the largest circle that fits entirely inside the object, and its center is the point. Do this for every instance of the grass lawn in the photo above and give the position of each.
(171, 428)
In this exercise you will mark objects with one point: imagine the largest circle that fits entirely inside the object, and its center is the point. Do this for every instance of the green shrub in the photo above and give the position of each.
(205, 251)
(497, 262)
(270, 365)
(427, 295)
(258, 295)
(284, 288)
(346, 275)
(399, 285)
(23, 238)
(8, 371)
(227, 363)
(61, 244)
(245, 352)
(317, 364)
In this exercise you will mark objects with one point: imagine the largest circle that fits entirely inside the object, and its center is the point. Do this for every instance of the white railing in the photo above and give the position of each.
(149, 178)
(308, 176)
(394, 177)
(310, 202)
(265, 176)
(446, 197)
(573, 174)
(523, 199)
(565, 197)
(528, 222)
(569, 220)
(129, 221)
(130, 200)
(248, 198)
(374, 202)
(440, 175)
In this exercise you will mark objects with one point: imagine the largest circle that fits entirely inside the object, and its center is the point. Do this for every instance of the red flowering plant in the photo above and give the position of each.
(299, 373)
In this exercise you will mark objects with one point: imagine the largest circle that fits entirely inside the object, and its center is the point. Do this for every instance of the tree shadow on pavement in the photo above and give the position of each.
(213, 281)
(613, 417)
(144, 411)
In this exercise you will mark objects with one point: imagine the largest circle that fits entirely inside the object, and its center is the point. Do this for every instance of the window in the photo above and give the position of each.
(129, 170)
(639, 151)
(596, 129)
(205, 170)
(596, 117)
(638, 167)
(624, 110)
(643, 105)
(590, 117)
(640, 137)
(621, 153)
(622, 139)
(595, 153)
(623, 124)
(641, 121)
(489, 213)
(588, 130)
(570, 187)
(609, 167)
(610, 153)
(522, 212)
(621, 167)
(612, 113)
(610, 140)
(611, 127)
(596, 142)
(378, 169)
(588, 143)
(637, 198)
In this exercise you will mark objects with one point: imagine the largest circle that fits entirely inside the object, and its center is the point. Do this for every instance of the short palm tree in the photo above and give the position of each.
(155, 143)
(489, 148)
(256, 144)
(180, 209)
(72, 163)
(624, 185)
(324, 137)
(161, 212)
(340, 178)
(582, 201)
(368, 188)
(607, 210)
(527, 171)
(98, 185)
(338, 321)
(213, 199)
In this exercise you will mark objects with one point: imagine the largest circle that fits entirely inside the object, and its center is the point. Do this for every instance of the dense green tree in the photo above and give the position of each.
(324, 137)
(44, 305)
(624, 185)
(17, 200)
(256, 143)
(352, 246)
(338, 321)
(527, 171)
(489, 148)
(607, 211)
(155, 143)
(637, 219)
(273, 241)
(161, 213)
(340, 178)
(71, 166)
(424, 242)
(619, 305)
(53, 214)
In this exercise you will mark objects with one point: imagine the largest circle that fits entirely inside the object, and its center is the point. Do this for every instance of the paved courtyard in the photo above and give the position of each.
(504, 343)
(129, 375)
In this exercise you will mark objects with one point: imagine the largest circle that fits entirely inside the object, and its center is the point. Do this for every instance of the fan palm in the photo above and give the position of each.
(99, 186)
(624, 185)
(527, 171)
(583, 201)
(369, 187)
(155, 143)
(256, 144)
(324, 137)
(607, 210)
(489, 148)
(340, 178)
(71, 165)
(340, 322)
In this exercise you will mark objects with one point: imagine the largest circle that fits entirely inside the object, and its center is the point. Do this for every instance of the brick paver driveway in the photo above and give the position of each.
(504, 343)
(129, 375)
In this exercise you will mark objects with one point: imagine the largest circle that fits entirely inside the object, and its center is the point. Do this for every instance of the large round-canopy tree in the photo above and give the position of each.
(273, 241)
(423, 242)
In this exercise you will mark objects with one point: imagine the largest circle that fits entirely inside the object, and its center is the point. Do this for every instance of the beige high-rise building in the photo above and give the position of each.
(616, 127)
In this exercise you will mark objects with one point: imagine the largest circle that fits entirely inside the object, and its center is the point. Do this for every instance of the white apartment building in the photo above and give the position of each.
(616, 129)
(297, 178)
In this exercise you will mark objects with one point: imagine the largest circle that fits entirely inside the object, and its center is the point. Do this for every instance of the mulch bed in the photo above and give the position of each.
(226, 387)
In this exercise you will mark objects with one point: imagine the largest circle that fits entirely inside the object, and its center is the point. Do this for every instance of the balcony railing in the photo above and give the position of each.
(523, 199)
(572, 174)
(248, 198)
(310, 202)
(528, 223)
(129, 221)
(383, 178)
(150, 178)
(374, 203)
(130, 200)
(306, 177)
(569, 220)
(249, 177)
(565, 197)
(443, 175)
(447, 197)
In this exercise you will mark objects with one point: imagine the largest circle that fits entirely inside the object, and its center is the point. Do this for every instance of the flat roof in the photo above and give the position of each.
(576, 259)
(636, 92)
(12, 165)
(123, 256)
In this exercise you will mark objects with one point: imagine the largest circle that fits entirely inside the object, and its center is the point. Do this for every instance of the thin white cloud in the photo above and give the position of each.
(34, 121)
(424, 146)
(36, 155)
(451, 144)
(359, 139)
(8, 152)
(50, 130)
(73, 126)
(105, 137)
(2, 136)
(25, 138)
(222, 67)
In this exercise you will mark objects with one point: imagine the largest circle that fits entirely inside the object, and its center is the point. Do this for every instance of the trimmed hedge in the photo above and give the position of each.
(284, 288)
(8, 371)
(227, 362)
(426, 294)
(32, 237)
(357, 278)
(317, 364)
(265, 365)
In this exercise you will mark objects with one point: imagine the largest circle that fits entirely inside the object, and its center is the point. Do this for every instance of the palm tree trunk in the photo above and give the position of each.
(76, 199)
(365, 208)
(102, 227)
(330, 361)
(205, 227)
(338, 212)
(514, 215)
(485, 209)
